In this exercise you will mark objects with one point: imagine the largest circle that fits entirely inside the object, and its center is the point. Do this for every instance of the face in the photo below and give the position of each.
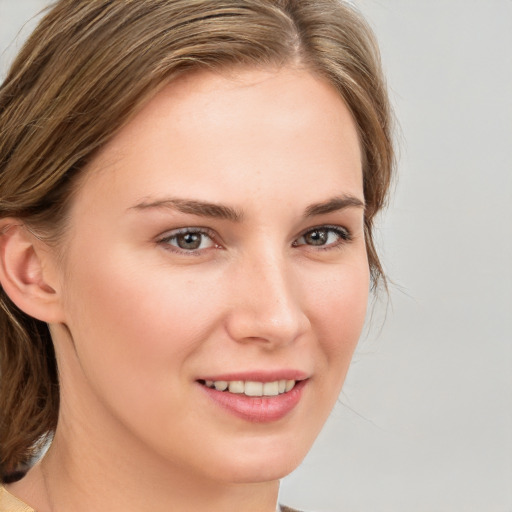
(217, 241)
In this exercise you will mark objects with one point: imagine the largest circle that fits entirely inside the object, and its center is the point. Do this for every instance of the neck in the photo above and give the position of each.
(82, 482)
(61, 482)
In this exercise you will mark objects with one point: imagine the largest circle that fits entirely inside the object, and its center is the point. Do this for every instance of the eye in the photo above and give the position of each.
(324, 236)
(189, 240)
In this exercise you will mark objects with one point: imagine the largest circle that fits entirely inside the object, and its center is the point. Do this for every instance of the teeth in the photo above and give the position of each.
(271, 388)
(289, 385)
(236, 386)
(252, 388)
(220, 385)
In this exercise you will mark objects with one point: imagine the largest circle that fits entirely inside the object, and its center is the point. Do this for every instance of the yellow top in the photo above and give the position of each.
(9, 503)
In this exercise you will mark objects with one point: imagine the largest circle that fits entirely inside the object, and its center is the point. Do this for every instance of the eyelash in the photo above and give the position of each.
(343, 233)
(344, 236)
(166, 240)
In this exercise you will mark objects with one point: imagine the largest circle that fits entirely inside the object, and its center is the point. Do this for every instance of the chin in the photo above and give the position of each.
(263, 461)
(262, 471)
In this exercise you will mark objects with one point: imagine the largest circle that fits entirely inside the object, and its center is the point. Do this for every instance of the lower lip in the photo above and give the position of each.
(257, 409)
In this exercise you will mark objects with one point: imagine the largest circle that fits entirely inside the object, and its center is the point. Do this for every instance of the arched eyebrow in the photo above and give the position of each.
(220, 211)
(194, 207)
(333, 205)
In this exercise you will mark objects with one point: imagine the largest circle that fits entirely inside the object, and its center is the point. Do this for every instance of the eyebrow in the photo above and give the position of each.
(191, 206)
(333, 205)
(219, 211)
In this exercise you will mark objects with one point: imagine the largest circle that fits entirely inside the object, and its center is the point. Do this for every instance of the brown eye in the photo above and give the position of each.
(316, 237)
(189, 240)
(324, 236)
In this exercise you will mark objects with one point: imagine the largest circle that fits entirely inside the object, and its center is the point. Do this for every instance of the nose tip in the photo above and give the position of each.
(267, 307)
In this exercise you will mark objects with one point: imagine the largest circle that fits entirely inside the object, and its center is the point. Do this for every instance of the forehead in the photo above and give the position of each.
(251, 130)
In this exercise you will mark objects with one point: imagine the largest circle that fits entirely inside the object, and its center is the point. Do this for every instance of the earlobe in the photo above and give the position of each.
(22, 272)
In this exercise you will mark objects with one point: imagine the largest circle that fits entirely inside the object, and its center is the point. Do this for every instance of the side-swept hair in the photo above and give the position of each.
(86, 70)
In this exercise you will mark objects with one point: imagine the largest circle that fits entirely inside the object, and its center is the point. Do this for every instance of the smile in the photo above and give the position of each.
(252, 388)
(255, 400)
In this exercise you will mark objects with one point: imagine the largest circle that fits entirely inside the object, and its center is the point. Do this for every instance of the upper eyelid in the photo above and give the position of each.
(344, 233)
(212, 233)
(166, 237)
(218, 240)
(189, 229)
(333, 227)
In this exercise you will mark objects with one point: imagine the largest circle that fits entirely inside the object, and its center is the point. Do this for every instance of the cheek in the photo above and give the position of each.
(338, 309)
(135, 325)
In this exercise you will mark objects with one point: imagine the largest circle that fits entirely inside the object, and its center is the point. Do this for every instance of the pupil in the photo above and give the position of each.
(189, 241)
(317, 237)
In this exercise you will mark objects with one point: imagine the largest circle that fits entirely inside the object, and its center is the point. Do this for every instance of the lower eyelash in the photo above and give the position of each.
(343, 233)
(176, 233)
(345, 237)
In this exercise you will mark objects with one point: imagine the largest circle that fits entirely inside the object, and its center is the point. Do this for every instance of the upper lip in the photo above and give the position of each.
(259, 375)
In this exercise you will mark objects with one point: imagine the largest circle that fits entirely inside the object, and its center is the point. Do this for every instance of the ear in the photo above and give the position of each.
(25, 272)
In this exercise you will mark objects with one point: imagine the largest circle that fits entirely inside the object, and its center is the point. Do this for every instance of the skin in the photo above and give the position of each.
(136, 320)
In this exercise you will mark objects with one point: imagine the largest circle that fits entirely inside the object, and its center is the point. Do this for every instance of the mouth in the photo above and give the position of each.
(258, 400)
(251, 388)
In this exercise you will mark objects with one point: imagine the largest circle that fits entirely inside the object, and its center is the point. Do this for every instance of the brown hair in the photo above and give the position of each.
(86, 69)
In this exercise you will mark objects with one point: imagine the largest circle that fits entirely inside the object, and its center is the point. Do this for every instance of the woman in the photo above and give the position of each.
(187, 196)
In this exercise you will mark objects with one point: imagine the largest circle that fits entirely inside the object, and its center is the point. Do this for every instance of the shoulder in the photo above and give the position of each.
(9, 503)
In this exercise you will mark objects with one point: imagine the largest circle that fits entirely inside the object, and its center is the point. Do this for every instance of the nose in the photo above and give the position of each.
(266, 302)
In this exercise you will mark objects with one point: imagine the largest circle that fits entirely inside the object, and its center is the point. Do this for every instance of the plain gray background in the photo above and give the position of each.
(424, 423)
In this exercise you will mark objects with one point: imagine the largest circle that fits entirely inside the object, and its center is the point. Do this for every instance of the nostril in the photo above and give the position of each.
(255, 329)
